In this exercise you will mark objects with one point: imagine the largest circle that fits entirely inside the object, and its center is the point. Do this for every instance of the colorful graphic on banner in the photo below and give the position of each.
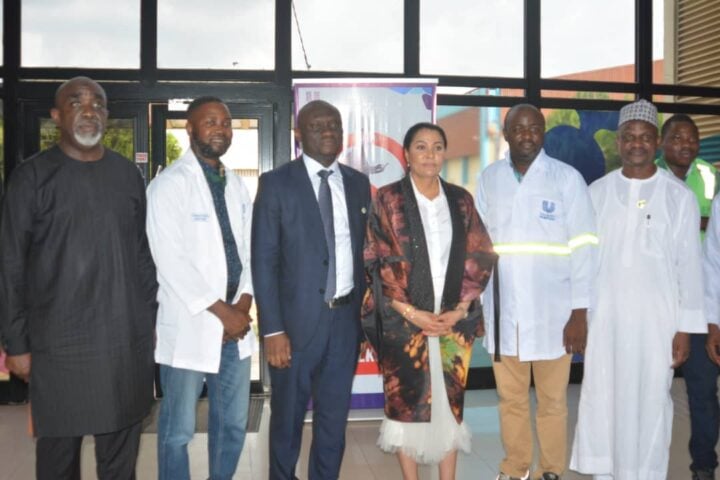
(375, 116)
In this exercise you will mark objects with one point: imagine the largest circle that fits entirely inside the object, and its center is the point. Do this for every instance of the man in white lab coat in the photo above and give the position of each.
(539, 216)
(649, 297)
(198, 223)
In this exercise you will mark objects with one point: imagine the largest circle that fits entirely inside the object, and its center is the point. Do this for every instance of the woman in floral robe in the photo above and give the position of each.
(428, 258)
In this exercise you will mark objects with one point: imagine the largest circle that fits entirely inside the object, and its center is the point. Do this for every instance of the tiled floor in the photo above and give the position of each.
(363, 460)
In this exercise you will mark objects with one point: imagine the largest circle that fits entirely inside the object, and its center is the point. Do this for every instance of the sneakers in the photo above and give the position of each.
(504, 476)
(549, 476)
(703, 474)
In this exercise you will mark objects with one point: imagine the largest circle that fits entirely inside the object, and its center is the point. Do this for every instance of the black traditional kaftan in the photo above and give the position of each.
(77, 291)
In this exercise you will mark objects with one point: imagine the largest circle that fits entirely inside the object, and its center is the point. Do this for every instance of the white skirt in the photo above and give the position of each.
(428, 442)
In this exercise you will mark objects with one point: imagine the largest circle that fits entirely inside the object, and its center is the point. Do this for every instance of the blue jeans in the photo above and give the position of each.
(701, 381)
(228, 395)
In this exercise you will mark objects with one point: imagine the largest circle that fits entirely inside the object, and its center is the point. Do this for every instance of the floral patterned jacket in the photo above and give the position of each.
(398, 267)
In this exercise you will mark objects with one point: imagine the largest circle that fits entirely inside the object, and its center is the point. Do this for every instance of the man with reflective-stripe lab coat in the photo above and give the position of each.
(539, 216)
(649, 296)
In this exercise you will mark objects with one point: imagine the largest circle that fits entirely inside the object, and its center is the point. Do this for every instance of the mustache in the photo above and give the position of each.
(82, 122)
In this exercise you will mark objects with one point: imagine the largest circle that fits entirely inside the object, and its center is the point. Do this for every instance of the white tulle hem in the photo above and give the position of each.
(428, 442)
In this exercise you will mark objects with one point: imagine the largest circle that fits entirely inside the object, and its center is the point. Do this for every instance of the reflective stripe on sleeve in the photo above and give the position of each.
(581, 240)
(708, 181)
(540, 248)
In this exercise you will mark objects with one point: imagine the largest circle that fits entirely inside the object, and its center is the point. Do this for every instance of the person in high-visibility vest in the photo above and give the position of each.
(680, 145)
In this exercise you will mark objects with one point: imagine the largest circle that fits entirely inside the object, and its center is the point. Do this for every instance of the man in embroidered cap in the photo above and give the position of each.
(649, 298)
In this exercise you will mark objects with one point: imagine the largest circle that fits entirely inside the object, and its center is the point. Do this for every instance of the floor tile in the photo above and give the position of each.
(363, 459)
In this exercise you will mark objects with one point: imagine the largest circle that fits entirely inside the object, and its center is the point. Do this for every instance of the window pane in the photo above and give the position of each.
(474, 141)
(584, 139)
(587, 38)
(664, 73)
(223, 34)
(689, 47)
(624, 96)
(481, 92)
(81, 33)
(348, 36)
(469, 37)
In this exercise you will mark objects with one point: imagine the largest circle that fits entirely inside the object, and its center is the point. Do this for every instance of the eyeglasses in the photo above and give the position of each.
(319, 127)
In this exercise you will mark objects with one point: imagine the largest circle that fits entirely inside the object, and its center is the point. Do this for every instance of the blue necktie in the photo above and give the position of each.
(326, 212)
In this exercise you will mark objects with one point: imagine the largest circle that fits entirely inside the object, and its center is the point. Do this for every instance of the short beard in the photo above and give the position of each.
(208, 151)
(88, 140)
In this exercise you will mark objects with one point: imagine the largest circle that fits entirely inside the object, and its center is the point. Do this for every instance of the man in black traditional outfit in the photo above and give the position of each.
(77, 292)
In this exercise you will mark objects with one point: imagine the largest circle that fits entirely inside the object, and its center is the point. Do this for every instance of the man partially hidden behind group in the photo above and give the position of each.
(199, 218)
(649, 297)
(77, 286)
(680, 145)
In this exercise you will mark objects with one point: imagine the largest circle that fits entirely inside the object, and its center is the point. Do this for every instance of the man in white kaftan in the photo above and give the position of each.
(649, 296)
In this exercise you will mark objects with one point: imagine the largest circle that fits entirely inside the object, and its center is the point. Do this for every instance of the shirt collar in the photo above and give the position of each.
(422, 198)
(213, 174)
(313, 166)
(536, 164)
(662, 163)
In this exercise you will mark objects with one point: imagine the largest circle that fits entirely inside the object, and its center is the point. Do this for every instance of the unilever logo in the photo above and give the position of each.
(548, 209)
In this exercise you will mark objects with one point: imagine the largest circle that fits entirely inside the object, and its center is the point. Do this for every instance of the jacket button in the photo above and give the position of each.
(322, 290)
(325, 262)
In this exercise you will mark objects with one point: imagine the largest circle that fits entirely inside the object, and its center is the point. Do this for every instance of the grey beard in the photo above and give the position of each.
(88, 140)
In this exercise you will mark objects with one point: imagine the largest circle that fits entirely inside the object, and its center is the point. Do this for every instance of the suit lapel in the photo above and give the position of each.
(309, 209)
(353, 207)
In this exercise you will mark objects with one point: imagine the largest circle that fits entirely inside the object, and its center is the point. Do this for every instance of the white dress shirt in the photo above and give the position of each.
(343, 247)
(437, 225)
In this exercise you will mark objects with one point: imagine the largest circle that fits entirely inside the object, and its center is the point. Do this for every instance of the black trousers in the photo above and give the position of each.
(58, 458)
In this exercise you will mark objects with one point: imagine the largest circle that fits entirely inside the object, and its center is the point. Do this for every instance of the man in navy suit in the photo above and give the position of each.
(307, 262)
